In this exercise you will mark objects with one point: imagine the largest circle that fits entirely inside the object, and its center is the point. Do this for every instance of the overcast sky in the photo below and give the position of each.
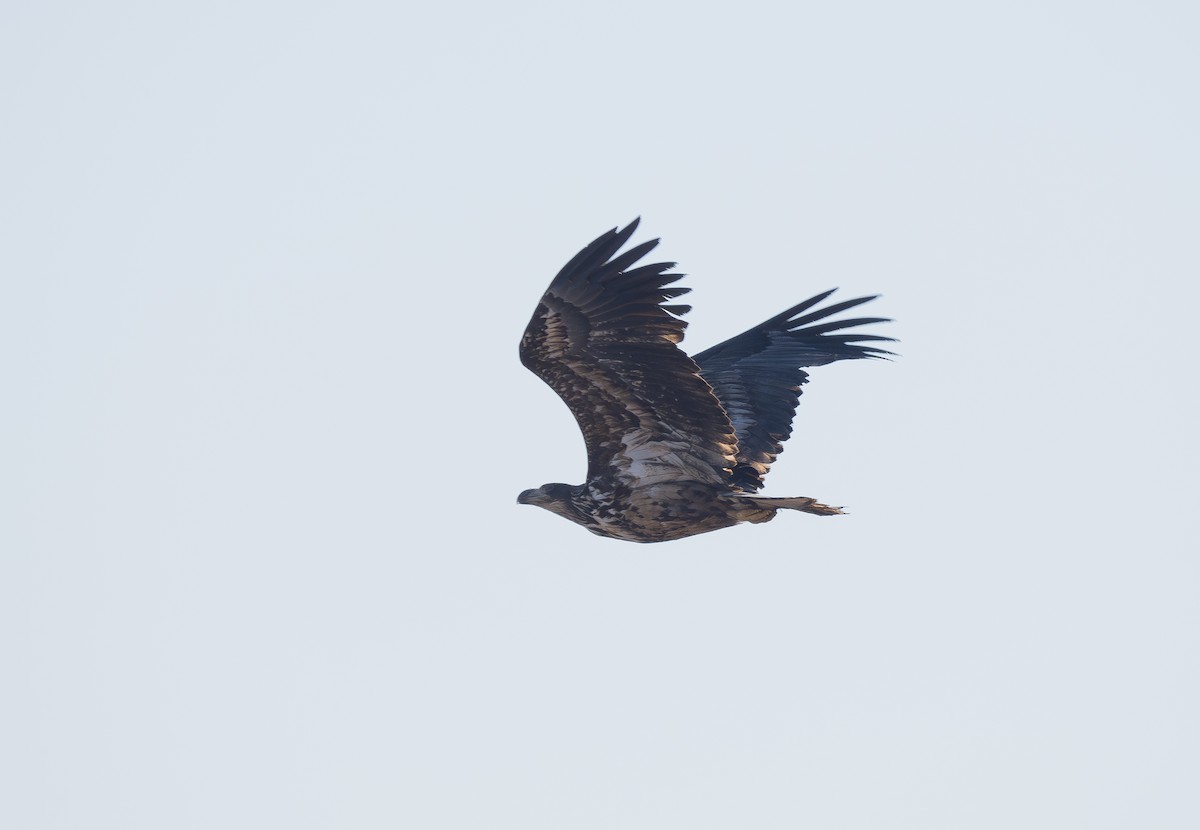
(264, 269)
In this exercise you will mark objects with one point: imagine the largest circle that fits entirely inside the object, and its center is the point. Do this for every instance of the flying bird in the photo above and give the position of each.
(676, 445)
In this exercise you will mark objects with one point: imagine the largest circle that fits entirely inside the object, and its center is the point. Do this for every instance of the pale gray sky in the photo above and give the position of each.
(264, 269)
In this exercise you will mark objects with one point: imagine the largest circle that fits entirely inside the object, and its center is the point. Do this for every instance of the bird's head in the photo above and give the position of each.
(557, 498)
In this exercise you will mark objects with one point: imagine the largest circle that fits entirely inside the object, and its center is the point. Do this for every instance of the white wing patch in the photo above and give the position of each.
(650, 461)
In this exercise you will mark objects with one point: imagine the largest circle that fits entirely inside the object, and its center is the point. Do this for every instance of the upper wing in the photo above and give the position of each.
(603, 340)
(757, 375)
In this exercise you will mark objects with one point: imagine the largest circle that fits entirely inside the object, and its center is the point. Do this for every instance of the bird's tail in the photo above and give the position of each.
(801, 503)
(769, 505)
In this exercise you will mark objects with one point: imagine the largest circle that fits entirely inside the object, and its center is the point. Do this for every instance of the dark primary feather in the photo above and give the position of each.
(603, 339)
(758, 375)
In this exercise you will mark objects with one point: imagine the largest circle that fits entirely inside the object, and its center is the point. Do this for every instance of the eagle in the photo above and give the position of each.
(676, 445)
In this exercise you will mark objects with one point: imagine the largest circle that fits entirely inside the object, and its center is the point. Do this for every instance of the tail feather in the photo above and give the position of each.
(802, 503)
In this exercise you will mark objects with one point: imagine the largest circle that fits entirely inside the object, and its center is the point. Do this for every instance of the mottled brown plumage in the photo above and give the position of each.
(675, 446)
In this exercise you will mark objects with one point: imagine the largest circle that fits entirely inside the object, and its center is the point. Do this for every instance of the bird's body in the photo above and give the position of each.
(676, 446)
(653, 512)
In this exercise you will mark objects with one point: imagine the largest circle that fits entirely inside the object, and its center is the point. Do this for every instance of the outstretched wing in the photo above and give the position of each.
(602, 338)
(758, 375)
